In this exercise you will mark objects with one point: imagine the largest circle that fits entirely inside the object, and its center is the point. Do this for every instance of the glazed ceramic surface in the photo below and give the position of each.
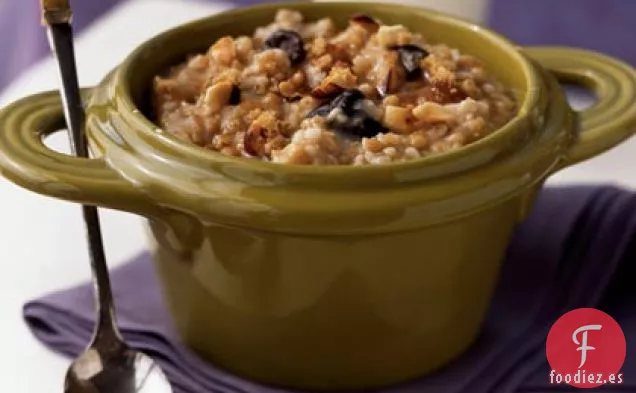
(325, 277)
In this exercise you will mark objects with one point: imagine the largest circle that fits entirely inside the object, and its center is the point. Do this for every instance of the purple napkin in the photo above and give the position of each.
(572, 251)
(602, 25)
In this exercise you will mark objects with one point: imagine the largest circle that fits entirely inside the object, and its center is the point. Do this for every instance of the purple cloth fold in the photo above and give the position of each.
(573, 251)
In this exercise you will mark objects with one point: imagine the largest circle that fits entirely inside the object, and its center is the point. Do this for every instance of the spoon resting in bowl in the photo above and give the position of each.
(109, 365)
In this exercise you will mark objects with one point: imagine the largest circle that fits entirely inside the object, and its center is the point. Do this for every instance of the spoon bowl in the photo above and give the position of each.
(125, 371)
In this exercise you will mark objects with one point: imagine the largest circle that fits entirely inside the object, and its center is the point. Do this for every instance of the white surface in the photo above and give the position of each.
(42, 246)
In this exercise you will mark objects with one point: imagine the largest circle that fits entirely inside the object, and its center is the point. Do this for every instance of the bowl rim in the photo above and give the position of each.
(207, 158)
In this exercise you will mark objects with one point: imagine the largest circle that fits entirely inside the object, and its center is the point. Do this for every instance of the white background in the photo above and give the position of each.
(42, 246)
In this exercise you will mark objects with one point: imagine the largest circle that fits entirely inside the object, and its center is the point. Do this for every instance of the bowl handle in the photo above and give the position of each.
(28, 162)
(612, 118)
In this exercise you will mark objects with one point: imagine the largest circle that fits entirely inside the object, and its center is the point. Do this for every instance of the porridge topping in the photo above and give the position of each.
(300, 92)
(290, 42)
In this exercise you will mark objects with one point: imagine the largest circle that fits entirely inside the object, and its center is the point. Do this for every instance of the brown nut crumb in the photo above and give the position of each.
(217, 96)
(324, 62)
(338, 52)
(340, 78)
(388, 74)
(293, 86)
(368, 90)
(318, 47)
(365, 21)
(326, 90)
(393, 35)
(262, 130)
(391, 99)
(254, 140)
(372, 145)
(398, 119)
(445, 92)
(223, 51)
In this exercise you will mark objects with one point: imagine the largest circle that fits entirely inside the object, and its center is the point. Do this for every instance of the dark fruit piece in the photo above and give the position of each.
(290, 42)
(322, 111)
(349, 101)
(350, 117)
(410, 57)
(235, 95)
(360, 125)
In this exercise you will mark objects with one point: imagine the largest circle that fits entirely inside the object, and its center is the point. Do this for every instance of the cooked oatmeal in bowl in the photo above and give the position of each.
(305, 92)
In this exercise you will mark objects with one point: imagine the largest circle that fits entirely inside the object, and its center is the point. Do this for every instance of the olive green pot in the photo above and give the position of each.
(325, 277)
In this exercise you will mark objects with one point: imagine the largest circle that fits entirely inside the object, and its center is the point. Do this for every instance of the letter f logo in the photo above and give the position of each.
(584, 347)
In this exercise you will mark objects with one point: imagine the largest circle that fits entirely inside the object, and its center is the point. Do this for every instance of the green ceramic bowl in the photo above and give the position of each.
(325, 277)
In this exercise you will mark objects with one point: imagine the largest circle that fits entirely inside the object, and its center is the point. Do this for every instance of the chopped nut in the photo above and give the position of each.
(372, 145)
(287, 88)
(292, 87)
(324, 62)
(338, 52)
(393, 74)
(393, 35)
(257, 136)
(217, 96)
(339, 79)
(318, 47)
(368, 90)
(398, 119)
(244, 48)
(326, 90)
(366, 22)
(272, 62)
(223, 51)
(391, 100)
(431, 112)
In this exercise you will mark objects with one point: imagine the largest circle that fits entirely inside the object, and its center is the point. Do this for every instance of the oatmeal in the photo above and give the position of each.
(301, 92)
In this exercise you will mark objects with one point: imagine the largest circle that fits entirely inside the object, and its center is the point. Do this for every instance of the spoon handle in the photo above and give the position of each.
(60, 34)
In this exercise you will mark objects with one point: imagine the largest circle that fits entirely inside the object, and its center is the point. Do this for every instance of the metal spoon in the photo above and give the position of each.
(108, 365)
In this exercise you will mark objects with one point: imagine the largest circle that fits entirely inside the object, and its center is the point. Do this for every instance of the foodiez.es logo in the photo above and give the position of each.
(586, 349)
